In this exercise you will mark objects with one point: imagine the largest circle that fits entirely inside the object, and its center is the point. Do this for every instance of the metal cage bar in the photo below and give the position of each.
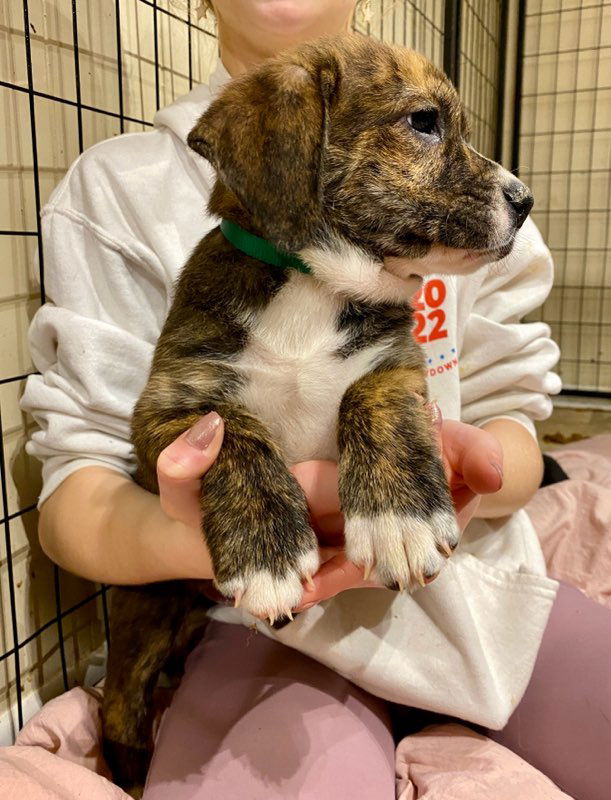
(451, 40)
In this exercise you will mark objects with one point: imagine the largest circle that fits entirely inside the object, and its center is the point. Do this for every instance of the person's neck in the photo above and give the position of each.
(239, 55)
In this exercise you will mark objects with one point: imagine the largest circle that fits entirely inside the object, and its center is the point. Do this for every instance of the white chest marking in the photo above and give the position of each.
(294, 377)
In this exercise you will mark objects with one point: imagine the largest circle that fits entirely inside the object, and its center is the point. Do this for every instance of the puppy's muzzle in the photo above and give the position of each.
(520, 201)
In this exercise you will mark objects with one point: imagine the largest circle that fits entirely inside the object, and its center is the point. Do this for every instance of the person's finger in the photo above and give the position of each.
(465, 503)
(181, 465)
(474, 454)
(436, 419)
(462, 496)
(318, 479)
(335, 576)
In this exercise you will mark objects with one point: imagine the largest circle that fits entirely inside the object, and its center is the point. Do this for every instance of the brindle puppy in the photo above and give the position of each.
(345, 152)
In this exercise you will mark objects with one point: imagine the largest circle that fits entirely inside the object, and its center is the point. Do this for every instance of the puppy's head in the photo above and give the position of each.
(348, 142)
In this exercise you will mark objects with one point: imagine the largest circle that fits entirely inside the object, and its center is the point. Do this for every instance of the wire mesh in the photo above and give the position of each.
(45, 642)
(417, 24)
(480, 71)
(565, 155)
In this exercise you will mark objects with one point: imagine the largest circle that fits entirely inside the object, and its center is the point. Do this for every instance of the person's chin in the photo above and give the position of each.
(291, 18)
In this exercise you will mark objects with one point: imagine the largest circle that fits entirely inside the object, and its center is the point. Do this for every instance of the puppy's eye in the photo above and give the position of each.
(425, 121)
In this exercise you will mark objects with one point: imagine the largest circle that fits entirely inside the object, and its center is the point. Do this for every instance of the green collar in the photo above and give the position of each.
(261, 249)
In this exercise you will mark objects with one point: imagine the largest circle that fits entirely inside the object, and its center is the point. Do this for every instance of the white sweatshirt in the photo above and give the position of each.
(117, 231)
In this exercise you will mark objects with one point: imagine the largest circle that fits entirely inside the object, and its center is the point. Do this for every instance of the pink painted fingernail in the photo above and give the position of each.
(202, 434)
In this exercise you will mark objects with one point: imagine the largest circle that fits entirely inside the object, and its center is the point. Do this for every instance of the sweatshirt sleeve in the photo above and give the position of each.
(506, 364)
(92, 344)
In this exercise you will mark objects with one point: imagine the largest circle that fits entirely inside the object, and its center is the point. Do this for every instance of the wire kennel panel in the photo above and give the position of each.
(481, 78)
(564, 154)
(72, 72)
(417, 24)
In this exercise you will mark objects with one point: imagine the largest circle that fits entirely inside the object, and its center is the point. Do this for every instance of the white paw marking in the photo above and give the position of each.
(266, 595)
(401, 549)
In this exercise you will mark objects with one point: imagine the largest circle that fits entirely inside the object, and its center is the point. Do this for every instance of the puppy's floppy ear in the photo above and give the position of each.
(266, 136)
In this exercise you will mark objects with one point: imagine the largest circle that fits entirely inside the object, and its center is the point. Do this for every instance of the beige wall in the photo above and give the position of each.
(417, 24)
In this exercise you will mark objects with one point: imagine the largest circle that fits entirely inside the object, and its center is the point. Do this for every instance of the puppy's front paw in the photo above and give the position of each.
(271, 592)
(257, 527)
(404, 551)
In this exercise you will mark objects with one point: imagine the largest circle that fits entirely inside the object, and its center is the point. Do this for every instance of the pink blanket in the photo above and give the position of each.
(573, 518)
(452, 761)
(57, 757)
(57, 754)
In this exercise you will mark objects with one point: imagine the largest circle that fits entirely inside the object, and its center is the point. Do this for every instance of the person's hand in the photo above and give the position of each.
(473, 460)
(181, 466)
(318, 479)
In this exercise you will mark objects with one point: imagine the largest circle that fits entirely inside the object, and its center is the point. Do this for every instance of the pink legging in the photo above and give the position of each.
(254, 719)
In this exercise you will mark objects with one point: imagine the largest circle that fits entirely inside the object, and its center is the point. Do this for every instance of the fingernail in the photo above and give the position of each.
(499, 470)
(203, 432)
(435, 412)
(305, 608)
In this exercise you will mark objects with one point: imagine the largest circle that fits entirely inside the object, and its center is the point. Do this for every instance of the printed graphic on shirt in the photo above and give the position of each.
(431, 327)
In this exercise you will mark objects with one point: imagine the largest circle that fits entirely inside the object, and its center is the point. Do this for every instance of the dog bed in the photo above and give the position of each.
(57, 754)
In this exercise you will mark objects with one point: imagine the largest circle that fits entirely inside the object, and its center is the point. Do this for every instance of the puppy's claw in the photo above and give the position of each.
(445, 547)
(420, 578)
(289, 614)
(310, 583)
(272, 619)
(401, 586)
(367, 571)
(237, 599)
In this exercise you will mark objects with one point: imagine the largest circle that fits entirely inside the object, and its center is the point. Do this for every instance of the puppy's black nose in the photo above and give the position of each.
(520, 199)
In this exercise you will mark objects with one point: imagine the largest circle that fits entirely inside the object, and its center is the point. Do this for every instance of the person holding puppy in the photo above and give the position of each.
(117, 231)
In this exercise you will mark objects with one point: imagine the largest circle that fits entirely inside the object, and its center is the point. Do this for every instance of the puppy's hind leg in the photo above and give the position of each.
(144, 621)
